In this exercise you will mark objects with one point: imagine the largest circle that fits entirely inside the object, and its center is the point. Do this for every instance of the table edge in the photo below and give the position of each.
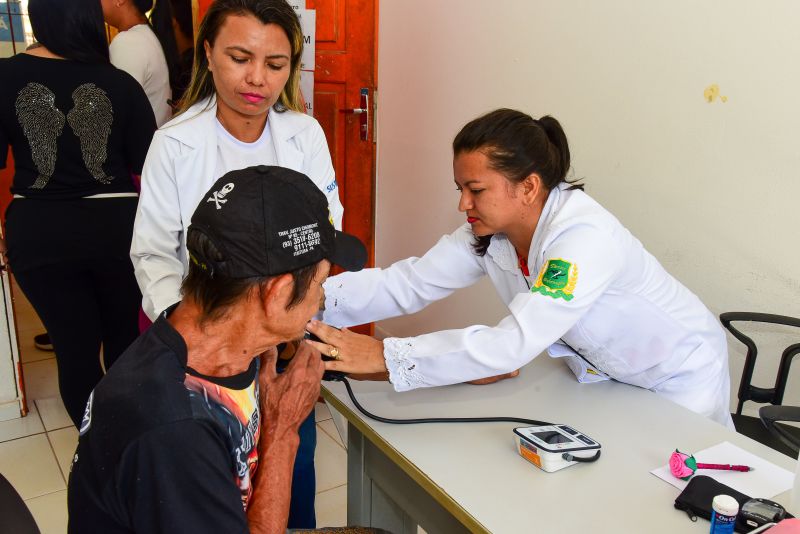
(435, 491)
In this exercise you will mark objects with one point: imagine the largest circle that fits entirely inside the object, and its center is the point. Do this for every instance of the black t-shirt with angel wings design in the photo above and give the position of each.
(75, 129)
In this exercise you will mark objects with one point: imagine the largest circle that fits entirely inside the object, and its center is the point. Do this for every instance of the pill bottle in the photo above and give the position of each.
(724, 509)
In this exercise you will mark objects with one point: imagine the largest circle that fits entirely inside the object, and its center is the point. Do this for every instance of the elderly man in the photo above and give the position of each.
(192, 430)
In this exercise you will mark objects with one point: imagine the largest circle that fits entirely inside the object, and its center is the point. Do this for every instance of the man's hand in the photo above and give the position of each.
(351, 352)
(288, 398)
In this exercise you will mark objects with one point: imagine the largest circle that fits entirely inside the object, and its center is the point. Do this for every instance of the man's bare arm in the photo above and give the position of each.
(286, 401)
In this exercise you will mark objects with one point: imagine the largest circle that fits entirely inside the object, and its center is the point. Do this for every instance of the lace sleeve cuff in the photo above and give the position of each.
(402, 370)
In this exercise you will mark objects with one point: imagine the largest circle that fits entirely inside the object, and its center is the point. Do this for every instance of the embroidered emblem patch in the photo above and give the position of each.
(557, 279)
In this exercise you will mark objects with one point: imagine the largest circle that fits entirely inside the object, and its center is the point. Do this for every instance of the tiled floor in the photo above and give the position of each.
(36, 450)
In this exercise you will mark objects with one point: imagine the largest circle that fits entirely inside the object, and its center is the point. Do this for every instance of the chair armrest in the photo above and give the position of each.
(729, 317)
(770, 415)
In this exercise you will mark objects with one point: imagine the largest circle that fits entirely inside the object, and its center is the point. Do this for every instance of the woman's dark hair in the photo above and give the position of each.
(74, 29)
(517, 145)
(161, 23)
(182, 13)
(215, 294)
(268, 12)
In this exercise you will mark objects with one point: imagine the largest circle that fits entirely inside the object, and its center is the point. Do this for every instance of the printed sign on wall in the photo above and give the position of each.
(308, 24)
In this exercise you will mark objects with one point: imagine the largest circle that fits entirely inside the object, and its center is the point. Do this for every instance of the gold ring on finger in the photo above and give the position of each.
(334, 353)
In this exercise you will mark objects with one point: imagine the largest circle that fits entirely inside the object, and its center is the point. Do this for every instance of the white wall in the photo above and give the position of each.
(10, 392)
(711, 189)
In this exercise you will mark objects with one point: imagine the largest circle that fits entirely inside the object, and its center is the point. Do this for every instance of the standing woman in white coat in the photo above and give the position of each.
(242, 108)
(574, 280)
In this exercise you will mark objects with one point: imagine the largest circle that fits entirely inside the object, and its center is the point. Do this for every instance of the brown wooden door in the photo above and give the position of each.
(346, 64)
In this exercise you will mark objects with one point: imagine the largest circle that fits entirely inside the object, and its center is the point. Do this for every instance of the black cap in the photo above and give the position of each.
(267, 221)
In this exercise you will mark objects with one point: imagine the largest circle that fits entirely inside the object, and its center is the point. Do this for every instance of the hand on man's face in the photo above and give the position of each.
(288, 398)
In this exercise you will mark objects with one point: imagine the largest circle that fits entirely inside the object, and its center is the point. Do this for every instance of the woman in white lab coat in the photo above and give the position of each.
(242, 108)
(574, 280)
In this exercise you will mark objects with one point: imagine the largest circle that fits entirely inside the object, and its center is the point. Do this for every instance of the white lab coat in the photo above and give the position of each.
(179, 170)
(627, 315)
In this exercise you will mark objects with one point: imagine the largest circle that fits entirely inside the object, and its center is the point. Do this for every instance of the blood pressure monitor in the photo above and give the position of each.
(555, 447)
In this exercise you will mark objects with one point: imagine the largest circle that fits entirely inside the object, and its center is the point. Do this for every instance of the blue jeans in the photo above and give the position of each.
(304, 480)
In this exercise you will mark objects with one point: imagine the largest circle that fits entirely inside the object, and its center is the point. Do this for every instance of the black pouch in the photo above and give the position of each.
(696, 498)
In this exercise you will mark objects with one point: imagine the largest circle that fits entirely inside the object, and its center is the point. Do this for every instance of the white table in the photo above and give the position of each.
(454, 478)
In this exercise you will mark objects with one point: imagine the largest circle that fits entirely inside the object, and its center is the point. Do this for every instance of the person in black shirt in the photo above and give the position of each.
(192, 430)
(79, 130)
(183, 26)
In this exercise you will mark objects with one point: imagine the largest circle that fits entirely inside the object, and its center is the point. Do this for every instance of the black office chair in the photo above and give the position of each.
(14, 514)
(771, 415)
(753, 427)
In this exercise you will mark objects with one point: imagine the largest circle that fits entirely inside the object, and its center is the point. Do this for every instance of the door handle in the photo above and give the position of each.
(362, 112)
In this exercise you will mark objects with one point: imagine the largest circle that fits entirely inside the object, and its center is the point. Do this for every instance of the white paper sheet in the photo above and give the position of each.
(308, 23)
(307, 90)
(766, 480)
(584, 372)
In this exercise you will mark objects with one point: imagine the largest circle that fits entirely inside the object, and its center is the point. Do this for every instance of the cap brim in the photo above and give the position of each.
(349, 253)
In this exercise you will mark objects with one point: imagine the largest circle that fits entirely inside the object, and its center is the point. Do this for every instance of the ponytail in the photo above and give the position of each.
(73, 30)
(161, 22)
(558, 149)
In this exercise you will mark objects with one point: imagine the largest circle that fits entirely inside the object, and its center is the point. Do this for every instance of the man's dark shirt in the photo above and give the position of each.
(162, 448)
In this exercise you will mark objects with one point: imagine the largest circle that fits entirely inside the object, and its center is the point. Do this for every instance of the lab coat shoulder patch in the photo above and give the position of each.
(557, 279)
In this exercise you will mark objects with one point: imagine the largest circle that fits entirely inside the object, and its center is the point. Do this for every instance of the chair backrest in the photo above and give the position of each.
(14, 514)
(747, 391)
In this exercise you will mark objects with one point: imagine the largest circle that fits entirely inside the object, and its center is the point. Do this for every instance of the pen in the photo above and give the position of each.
(725, 467)
(683, 465)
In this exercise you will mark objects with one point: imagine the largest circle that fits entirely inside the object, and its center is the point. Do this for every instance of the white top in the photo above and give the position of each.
(181, 166)
(597, 289)
(233, 154)
(138, 52)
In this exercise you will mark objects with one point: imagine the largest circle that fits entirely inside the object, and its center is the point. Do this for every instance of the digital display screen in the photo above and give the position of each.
(763, 510)
(552, 437)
